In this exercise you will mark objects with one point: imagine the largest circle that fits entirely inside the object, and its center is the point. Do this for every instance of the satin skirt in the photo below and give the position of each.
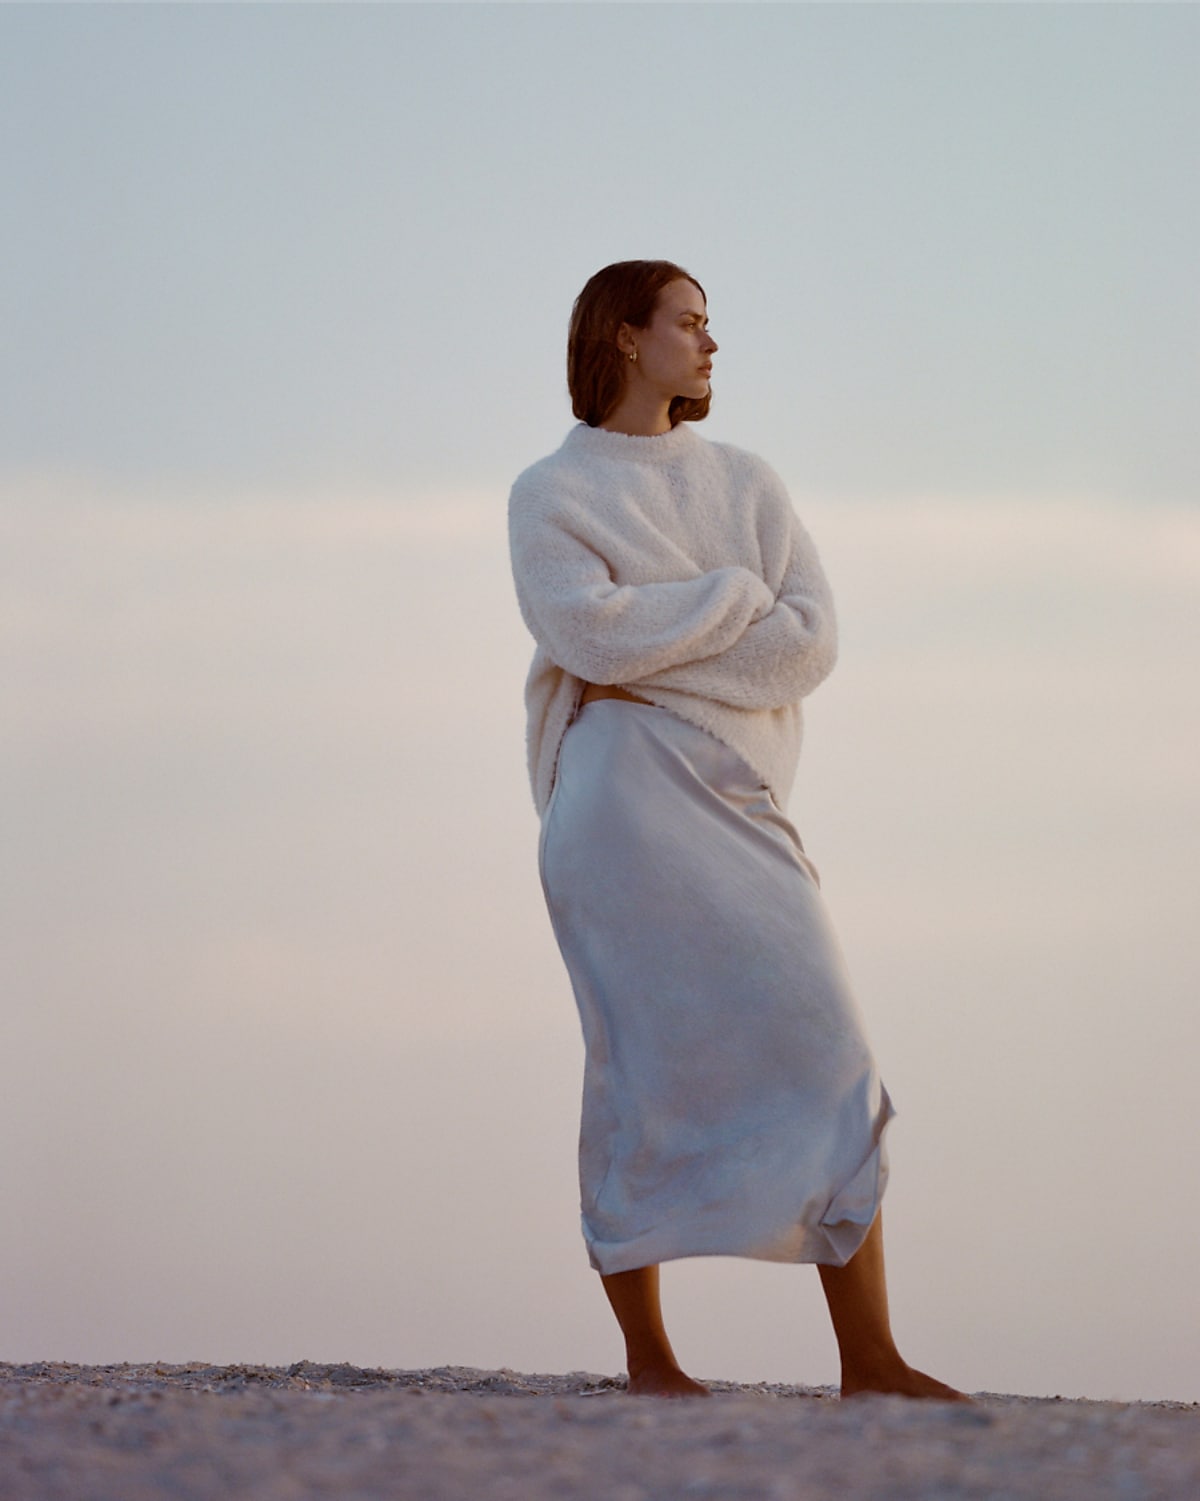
(731, 1104)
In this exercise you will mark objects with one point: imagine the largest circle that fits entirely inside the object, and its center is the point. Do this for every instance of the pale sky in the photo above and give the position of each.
(290, 1062)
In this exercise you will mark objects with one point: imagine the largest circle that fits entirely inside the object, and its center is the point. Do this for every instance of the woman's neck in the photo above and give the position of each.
(639, 414)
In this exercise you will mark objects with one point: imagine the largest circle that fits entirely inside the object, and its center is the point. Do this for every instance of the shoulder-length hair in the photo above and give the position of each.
(625, 292)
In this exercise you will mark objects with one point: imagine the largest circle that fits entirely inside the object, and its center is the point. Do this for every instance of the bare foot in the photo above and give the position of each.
(901, 1381)
(664, 1382)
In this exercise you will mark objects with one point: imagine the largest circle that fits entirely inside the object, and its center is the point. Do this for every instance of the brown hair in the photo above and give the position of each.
(625, 292)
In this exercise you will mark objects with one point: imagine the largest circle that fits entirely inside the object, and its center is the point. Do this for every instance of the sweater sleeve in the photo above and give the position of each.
(603, 632)
(779, 658)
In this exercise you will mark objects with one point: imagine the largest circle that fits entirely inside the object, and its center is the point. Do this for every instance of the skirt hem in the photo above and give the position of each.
(831, 1241)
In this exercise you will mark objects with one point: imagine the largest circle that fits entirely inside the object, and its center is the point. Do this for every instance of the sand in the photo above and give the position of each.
(202, 1432)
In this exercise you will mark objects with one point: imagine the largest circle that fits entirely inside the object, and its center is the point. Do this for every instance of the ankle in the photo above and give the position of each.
(656, 1363)
(874, 1360)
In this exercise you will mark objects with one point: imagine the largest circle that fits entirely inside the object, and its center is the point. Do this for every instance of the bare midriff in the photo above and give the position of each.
(593, 691)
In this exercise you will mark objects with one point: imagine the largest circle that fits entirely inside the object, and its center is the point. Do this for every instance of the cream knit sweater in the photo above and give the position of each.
(674, 567)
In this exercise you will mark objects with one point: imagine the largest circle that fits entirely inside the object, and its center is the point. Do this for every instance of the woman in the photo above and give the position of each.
(731, 1104)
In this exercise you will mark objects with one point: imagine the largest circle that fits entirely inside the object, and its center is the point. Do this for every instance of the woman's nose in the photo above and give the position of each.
(713, 346)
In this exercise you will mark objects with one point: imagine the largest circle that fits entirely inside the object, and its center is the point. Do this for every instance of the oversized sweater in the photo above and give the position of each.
(673, 567)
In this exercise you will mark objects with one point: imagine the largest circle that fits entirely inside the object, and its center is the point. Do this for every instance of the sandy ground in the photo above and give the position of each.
(202, 1432)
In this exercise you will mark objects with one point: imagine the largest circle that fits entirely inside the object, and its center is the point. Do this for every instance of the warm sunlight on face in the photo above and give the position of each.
(674, 352)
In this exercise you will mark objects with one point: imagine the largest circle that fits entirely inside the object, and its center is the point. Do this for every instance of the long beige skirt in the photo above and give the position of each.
(731, 1104)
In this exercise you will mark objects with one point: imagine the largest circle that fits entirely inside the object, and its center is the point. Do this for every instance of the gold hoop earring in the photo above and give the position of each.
(633, 358)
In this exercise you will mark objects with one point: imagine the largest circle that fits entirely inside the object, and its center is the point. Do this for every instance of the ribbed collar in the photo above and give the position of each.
(663, 448)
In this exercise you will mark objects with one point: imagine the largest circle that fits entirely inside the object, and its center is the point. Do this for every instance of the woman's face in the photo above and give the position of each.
(675, 349)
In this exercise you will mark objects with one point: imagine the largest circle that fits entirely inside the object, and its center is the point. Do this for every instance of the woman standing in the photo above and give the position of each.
(731, 1105)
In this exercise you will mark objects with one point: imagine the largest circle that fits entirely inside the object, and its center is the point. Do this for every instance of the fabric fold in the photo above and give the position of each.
(731, 1103)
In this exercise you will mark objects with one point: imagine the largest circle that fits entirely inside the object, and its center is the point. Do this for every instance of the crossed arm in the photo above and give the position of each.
(723, 634)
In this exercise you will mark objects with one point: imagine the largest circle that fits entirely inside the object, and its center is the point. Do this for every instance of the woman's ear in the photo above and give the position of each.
(625, 341)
